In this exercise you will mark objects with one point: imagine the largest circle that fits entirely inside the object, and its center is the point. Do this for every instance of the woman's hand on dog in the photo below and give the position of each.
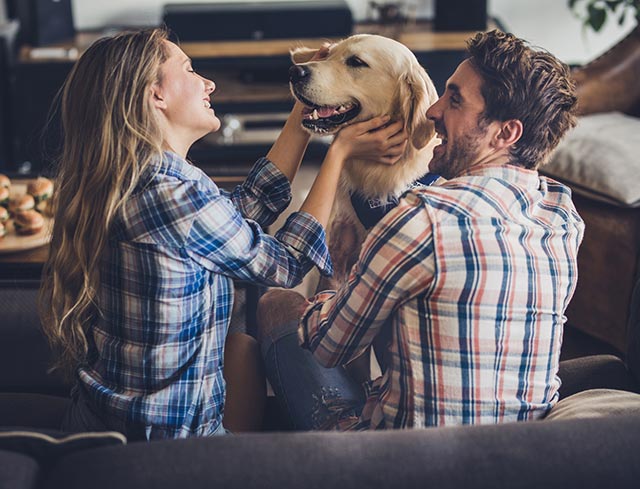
(376, 140)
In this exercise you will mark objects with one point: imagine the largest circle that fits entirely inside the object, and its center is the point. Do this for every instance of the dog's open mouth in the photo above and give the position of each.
(324, 119)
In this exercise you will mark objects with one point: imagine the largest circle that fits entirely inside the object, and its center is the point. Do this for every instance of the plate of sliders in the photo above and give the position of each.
(25, 220)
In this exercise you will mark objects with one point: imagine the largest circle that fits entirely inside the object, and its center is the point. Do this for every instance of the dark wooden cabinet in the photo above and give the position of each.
(251, 76)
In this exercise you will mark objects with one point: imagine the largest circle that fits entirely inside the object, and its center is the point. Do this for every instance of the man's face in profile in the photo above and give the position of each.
(459, 122)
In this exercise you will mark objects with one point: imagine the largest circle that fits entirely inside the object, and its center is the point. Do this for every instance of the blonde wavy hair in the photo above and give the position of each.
(111, 134)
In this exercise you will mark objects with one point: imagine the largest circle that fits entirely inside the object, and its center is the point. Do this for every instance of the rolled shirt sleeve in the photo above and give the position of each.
(227, 235)
(264, 194)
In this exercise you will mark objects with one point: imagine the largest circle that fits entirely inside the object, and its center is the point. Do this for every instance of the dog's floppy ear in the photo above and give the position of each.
(416, 94)
(302, 54)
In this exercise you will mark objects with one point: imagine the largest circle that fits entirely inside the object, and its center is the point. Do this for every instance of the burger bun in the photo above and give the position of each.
(41, 189)
(28, 222)
(21, 203)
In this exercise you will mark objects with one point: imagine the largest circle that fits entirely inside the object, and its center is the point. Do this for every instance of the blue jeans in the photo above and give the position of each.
(311, 396)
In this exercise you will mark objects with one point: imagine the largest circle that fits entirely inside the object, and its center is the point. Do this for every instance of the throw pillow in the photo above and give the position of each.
(47, 445)
(595, 403)
(599, 158)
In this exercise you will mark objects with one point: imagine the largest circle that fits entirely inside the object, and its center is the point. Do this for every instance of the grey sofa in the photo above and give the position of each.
(594, 453)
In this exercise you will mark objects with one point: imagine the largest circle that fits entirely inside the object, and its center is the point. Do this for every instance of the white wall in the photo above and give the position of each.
(551, 25)
(545, 23)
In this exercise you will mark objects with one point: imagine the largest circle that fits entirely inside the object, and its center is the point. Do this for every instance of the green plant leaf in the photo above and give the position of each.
(613, 4)
(597, 16)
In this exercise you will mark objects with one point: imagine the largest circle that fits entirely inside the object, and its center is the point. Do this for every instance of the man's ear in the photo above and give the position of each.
(157, 98)
(509, 134)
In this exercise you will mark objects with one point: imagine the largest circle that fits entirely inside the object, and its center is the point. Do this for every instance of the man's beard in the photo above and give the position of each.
(458, 156)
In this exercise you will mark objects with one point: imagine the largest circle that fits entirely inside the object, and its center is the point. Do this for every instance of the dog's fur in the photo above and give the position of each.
(391, 81)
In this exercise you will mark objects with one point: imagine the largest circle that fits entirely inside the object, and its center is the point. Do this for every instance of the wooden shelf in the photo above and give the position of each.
(417, 36)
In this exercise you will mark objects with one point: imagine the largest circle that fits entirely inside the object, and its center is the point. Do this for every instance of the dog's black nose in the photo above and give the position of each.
(298, 73)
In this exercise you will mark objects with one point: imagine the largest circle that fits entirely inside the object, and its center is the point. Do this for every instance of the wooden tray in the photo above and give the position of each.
(13, 242)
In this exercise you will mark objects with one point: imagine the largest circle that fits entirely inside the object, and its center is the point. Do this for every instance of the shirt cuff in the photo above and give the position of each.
(307, 327)
(269, 185)
(305, 235)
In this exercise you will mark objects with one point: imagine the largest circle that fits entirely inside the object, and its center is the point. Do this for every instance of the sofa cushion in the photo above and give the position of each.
(49, 445)
(595, 372)
(25, 356)
(33, 410)
(599, 158)
(596, 403)
(18, 471)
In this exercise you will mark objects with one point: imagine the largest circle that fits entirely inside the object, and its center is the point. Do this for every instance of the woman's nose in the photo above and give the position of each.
(209, 85)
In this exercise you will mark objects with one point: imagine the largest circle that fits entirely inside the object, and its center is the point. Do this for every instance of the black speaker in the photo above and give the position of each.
(8, 33)
(252, 20)
(461, 15)
(35, 122)
(44, 22)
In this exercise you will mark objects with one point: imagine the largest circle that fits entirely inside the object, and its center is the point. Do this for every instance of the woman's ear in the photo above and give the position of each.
(416, 93)
(157, 98)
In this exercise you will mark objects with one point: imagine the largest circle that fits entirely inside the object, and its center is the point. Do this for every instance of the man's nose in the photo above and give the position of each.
(433, 112)
(298, 73)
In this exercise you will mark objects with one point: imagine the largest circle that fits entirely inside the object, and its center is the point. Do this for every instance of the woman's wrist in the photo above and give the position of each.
(295, 119)
(336, 153)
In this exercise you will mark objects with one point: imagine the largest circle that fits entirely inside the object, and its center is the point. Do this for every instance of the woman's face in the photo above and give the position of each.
(183, 97)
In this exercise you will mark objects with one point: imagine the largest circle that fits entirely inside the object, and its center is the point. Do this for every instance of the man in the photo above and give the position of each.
(464, 283)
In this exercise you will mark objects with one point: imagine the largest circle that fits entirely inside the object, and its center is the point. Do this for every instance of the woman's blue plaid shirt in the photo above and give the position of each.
(166, 296)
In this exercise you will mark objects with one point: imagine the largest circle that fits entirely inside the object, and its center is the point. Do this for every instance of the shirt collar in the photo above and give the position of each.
(174, 165)
(515, 174)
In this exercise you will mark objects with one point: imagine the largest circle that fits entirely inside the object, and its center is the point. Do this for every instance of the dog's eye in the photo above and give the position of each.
(356, 62)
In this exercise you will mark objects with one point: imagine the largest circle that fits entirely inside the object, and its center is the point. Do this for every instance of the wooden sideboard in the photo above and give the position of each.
(417, 36)
(225, 62)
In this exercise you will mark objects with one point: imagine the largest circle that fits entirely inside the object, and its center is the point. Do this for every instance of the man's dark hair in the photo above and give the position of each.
(521, 83)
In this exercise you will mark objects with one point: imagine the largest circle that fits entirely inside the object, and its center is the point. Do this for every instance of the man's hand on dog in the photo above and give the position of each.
(377, 140)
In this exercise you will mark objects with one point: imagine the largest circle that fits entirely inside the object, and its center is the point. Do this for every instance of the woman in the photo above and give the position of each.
(138, 288)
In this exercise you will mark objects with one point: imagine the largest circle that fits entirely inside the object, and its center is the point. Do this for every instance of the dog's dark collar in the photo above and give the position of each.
(370, 211)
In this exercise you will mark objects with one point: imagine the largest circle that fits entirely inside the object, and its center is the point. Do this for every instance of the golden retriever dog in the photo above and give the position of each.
(365, 76)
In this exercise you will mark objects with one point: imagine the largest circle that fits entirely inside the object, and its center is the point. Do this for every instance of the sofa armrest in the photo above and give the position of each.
(595, 372)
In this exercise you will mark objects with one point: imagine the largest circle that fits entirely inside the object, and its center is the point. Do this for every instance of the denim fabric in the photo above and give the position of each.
(312, 397)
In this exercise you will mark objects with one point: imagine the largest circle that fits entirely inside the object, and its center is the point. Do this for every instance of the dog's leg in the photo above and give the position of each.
(344, 248)
(345, 241)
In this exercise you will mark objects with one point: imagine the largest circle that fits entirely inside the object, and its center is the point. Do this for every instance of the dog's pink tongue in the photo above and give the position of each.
(326, 111)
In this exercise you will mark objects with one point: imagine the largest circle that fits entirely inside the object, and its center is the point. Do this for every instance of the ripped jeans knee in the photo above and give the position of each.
(312, 397)
(329, 408)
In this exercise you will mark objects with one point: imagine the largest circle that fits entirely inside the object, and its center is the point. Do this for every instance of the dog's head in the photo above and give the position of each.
(363, 76)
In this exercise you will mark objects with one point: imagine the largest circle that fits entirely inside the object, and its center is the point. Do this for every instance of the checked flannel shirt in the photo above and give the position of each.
(467, 281)
(166, 295)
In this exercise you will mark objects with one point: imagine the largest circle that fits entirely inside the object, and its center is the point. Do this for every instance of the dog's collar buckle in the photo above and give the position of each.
(370, 211)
